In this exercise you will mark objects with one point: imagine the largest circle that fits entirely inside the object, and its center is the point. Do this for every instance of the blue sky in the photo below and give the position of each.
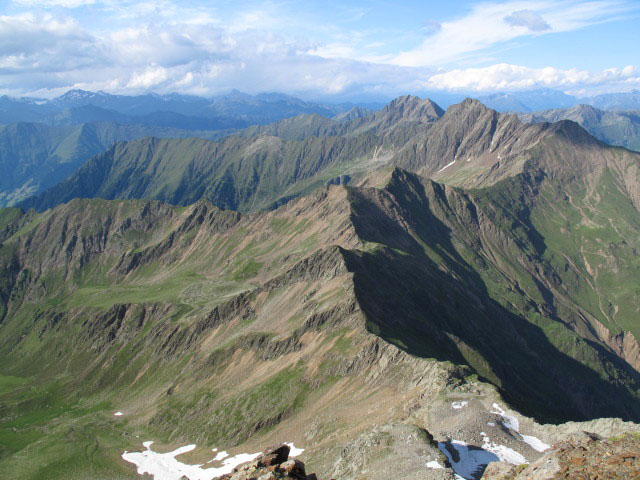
(318, 49)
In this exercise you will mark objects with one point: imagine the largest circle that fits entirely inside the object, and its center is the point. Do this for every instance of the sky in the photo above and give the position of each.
(318, 49)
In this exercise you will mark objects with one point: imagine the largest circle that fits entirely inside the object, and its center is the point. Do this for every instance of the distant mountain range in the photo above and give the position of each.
(239, 110)
(234, 110)
(35, 156)
(613, 127)
(263, 166)
(545, 99)
(42, 142)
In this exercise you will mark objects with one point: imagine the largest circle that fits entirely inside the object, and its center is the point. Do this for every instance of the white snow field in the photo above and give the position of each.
(165, 466)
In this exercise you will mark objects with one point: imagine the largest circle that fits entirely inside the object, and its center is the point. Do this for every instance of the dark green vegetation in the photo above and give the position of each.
(517, 262)
(614, 127)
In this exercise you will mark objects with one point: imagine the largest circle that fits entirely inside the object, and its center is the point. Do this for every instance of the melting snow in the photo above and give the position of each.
(470, 459)
(434, 464)
(165, 466)
(447, 165)
(509, 421)
(118, 414)
(535, 443)
(512, 422)
(294, 452)
(505, 454)
(459, 405)
(220, 456)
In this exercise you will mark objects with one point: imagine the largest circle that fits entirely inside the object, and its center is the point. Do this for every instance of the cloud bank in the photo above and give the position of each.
(515, 77)
(133, 47)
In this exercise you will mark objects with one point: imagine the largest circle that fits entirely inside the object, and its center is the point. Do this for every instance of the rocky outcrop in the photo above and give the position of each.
(624, 344)
(273, 464)
(587, 456)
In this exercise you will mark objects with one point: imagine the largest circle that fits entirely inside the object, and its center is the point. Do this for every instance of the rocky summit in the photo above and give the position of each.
(273, 464)
(584, 456)
(408, 293)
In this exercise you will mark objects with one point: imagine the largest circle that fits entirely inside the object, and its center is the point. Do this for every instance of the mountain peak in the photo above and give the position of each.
(76, 93)
(472, 103)
(468, 107)
(409, 107)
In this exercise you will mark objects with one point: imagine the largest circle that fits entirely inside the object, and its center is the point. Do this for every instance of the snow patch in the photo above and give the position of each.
(118, 414)
(165, 466)
(505, 454)
(447, 165)
(509, 421)
(535, 443)
(434, 464)
(459, 405)
(471, 460)
(512, 422)
(294, 452)
(219, 457)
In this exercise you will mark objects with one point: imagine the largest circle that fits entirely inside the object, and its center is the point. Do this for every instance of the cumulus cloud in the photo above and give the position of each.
(163, 47)
(516, 77)
(528, 19)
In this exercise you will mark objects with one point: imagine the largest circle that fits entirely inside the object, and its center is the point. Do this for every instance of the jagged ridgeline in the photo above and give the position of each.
(512, 270)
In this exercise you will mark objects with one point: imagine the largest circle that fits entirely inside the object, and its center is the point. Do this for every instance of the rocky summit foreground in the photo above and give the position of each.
(431, 292)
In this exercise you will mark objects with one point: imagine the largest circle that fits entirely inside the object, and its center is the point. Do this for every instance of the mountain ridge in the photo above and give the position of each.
(470, 145)
(616, 128)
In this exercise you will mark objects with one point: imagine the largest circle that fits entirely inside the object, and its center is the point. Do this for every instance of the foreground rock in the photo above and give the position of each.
(585, 456)
(273, 464)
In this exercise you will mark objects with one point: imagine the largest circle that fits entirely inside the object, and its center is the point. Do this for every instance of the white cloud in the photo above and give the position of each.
(489, 24)
(529, 19)
(54, 3)
(516, 77)
(149, 78)
(160, 46)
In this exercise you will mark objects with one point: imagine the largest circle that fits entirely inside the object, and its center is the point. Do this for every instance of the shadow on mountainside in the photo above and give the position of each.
(445, 311)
